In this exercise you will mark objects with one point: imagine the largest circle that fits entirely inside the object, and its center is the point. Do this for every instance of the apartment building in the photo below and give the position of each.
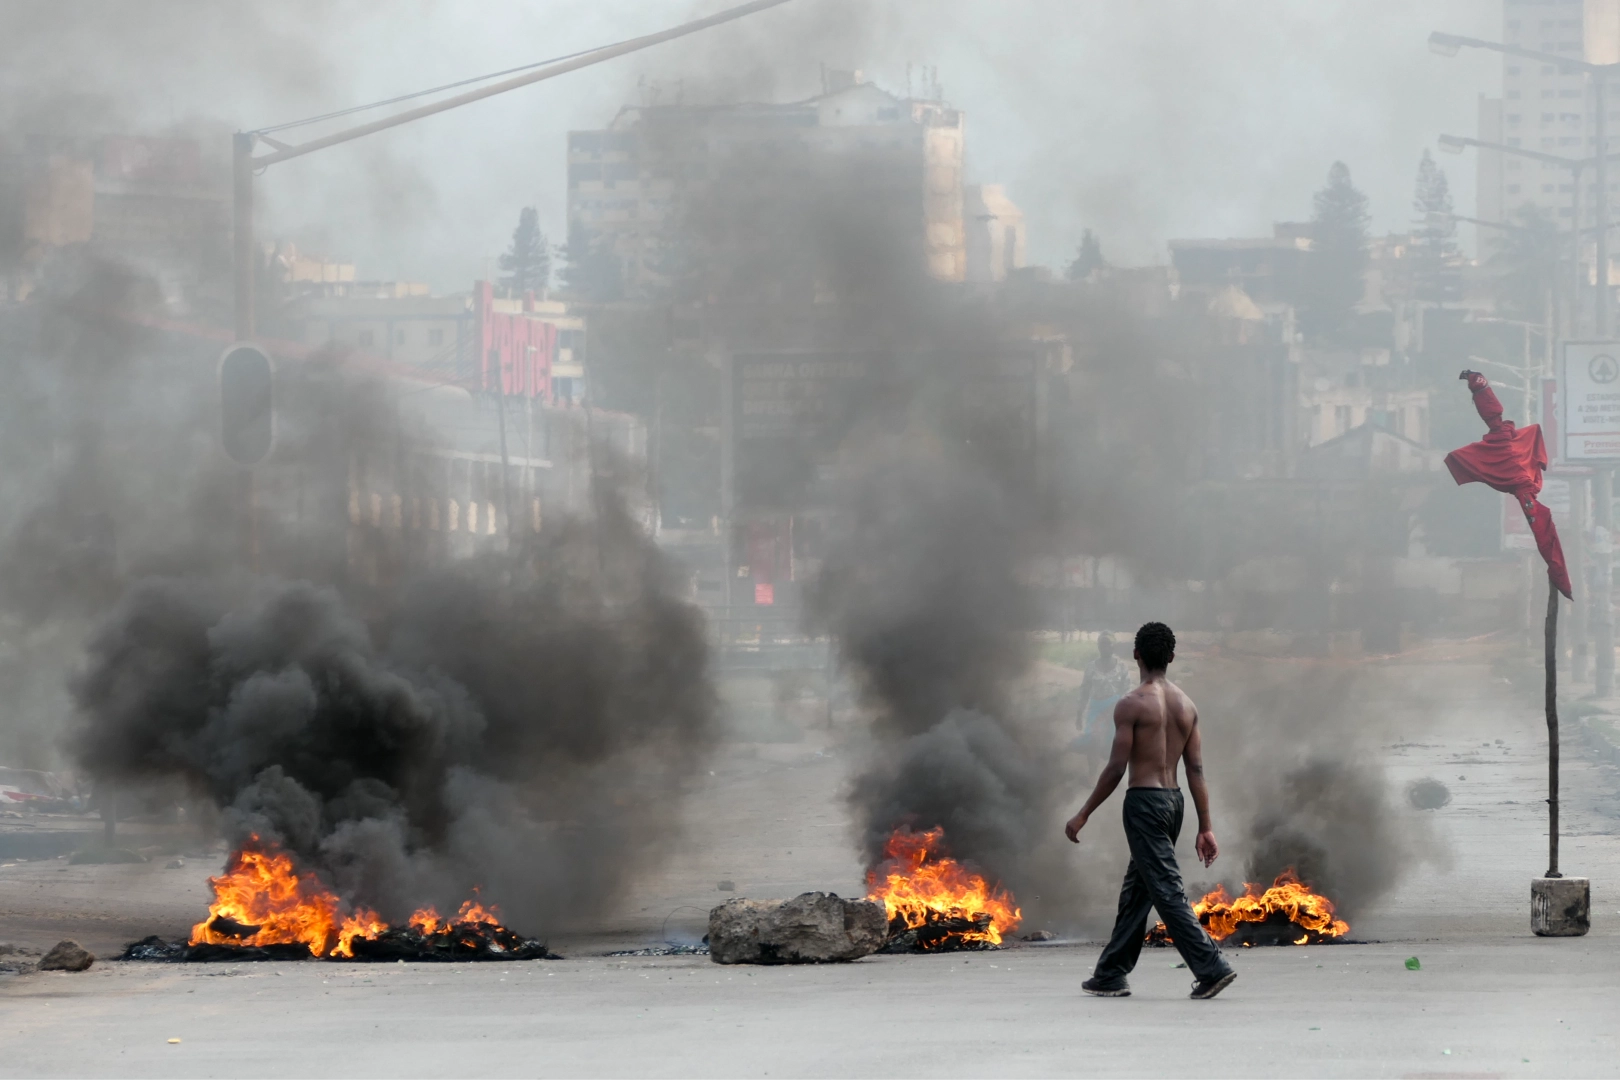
(1547, 109)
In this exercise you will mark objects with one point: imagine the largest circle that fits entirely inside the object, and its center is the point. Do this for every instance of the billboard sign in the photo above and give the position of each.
(1588, 395)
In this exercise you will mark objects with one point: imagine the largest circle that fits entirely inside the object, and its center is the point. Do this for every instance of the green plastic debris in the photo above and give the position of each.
(1413, 965)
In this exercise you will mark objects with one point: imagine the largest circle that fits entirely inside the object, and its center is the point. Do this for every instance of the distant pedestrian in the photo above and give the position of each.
(1107, 679)
(1155, 727)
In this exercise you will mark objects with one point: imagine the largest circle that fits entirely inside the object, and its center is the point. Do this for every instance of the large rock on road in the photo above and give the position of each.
(811, 928)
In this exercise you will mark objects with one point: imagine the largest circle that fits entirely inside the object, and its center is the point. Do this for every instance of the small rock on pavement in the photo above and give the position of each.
(1039, 935)
(67, 956)
(811, 928)
(175, 864)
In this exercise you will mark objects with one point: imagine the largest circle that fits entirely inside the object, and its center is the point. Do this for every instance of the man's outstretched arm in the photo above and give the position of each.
(1193, 758)
(1118, 759)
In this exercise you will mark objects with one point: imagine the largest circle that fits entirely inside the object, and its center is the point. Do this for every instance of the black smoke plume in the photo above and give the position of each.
(517, 724)
(1293, 754)
(1334, 824)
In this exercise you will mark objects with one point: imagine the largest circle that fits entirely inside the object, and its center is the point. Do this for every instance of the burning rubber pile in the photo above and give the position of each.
(1287, 913)
(934, 903)
(265, 909)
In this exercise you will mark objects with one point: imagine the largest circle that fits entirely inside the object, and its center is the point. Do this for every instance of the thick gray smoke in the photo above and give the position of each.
(919, 587)
(410, 723)
(1333, 823)
(520, 724)
(1292, 752)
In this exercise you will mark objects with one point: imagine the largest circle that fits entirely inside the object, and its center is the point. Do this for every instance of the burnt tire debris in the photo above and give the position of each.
(939, 934)
(479, 942)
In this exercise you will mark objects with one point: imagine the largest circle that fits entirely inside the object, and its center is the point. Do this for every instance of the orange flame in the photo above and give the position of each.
(1310, 911)
(918, 885)
(261, 889)
(427, 920)
(272, 903)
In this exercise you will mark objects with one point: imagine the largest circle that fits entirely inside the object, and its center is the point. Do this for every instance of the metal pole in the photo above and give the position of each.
(1581, 607)
(1601, 315)
(1552, 729)
(1601, 596)
(1603, 570)
(244, 161)
(286, 153)
(242, 254)
(506, 462)
(1574, 328)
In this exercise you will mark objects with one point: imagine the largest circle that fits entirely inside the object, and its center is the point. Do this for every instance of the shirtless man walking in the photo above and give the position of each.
(1155, 727)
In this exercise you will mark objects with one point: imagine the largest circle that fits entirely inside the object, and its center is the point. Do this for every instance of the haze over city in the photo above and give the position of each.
(813, 537)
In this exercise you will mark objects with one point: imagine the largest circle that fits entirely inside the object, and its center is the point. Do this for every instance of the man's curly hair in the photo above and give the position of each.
(1156, 645)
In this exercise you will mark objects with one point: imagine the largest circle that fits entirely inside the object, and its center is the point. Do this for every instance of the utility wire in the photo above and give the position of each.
(436, 90)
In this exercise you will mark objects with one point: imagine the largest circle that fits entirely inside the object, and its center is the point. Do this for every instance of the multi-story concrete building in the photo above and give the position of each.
(996, 240)
(153, 203)
(630, 183)
(1548, 109)
(524, 346)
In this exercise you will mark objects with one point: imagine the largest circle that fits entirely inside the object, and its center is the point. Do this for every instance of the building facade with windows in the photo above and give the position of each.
(525, 346)
(1548, 109)
(633, 183)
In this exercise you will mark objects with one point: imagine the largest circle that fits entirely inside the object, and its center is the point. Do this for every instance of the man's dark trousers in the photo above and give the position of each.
(1152, 826)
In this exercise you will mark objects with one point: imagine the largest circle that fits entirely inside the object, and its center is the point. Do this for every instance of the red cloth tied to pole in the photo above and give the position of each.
(1511, 460)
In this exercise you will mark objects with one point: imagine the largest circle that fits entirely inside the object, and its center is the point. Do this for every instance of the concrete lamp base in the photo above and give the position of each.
(1560, 907)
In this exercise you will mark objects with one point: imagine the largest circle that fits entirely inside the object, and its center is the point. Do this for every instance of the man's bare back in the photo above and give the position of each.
(1163, 721)
(1155, 728)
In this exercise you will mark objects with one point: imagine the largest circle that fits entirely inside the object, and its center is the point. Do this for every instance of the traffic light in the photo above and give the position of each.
(247, 403)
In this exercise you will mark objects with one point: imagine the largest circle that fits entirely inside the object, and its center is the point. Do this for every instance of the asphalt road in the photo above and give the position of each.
(1502, 1002)
(1516, 1008)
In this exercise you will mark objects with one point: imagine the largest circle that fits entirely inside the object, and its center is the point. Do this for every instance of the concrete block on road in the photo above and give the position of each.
(1560, 907)
(811, 928)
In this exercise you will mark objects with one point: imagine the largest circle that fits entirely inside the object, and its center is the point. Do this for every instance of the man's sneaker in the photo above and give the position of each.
(1204, 989)
(1102, 989)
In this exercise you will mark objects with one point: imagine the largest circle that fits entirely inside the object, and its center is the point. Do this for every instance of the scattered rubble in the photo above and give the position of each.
(17, 959)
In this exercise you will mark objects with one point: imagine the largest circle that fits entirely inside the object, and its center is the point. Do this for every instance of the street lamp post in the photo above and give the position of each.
(1560, 906)
(1455, 144)
(245, 164)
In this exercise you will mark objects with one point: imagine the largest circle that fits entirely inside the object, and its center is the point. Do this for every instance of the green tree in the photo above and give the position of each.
(592, 271)
(528, 261)
(1087, 259)
(1332, 283)
(1436, 262)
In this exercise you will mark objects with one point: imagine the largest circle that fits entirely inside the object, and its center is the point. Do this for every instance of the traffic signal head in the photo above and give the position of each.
(247, 396)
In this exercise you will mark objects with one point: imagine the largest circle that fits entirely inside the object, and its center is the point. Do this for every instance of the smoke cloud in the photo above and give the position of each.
(410, 723)
(519, 724)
